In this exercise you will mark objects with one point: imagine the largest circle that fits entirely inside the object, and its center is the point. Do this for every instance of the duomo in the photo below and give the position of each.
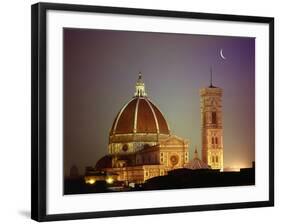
(141, 145)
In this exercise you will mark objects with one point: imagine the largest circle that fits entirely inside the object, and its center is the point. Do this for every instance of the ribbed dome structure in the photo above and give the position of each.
(139, 115)
(138, 124)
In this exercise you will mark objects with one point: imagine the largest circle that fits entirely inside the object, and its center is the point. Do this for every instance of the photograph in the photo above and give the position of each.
(140, 112)
(145, 111)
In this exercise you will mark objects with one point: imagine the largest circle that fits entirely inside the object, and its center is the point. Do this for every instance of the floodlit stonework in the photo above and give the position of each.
(140, 143)
(211, 126)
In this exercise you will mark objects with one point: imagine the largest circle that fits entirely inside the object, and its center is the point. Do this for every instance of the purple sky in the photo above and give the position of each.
(100, 71)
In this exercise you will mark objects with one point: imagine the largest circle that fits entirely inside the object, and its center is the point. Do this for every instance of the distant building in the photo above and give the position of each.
(74, 172)
(196, 163)
(211, 126)
(140, 143)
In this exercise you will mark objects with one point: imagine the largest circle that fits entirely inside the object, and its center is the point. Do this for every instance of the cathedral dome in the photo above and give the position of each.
(139, 115)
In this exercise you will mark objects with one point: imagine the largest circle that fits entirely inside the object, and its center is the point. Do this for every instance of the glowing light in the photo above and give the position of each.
(109, 180)
(90, 181)
(230, 169)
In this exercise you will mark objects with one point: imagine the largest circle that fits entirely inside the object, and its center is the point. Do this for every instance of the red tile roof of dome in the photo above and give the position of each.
(139, 115)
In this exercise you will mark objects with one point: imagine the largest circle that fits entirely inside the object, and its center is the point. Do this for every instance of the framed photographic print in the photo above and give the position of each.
(139, 111)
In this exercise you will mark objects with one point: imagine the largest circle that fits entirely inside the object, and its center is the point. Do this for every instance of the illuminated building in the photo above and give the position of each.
(141, 145)
(211, 126)
(196, 163)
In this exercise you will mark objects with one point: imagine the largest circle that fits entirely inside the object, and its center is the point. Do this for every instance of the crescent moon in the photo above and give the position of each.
(221, 54)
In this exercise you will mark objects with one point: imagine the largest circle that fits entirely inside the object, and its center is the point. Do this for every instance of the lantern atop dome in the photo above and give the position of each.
(140, 87)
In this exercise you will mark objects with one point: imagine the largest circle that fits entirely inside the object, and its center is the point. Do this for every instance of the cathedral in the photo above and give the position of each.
(141, 145)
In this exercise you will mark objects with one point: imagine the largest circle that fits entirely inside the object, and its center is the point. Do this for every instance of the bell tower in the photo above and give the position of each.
(211, 125)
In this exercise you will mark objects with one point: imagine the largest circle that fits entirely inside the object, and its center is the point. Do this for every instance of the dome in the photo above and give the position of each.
(104, 162)
(139, 115)
(107, 161)
(196, 163)
(139, 122)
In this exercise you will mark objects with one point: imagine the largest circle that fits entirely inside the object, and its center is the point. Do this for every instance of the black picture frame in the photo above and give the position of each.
(39, 122)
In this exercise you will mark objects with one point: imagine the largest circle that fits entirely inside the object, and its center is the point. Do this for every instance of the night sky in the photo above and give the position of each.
(101, 68)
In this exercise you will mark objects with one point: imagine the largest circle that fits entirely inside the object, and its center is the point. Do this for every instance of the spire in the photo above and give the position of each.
(195, 153)
(140, 75)
(211, 77)
(140, 87)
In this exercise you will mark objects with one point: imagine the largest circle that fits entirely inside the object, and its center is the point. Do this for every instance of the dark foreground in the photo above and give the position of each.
(176, 179)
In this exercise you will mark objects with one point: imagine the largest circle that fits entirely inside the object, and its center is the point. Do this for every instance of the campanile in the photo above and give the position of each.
(211, 125)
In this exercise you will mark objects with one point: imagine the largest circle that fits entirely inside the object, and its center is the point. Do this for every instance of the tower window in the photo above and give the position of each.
(214, 117)
(125, 147)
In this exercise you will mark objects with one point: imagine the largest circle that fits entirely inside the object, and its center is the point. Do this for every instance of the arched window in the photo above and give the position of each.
(217, 159)
(146, 146)
(214, 117)
(213, 159)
